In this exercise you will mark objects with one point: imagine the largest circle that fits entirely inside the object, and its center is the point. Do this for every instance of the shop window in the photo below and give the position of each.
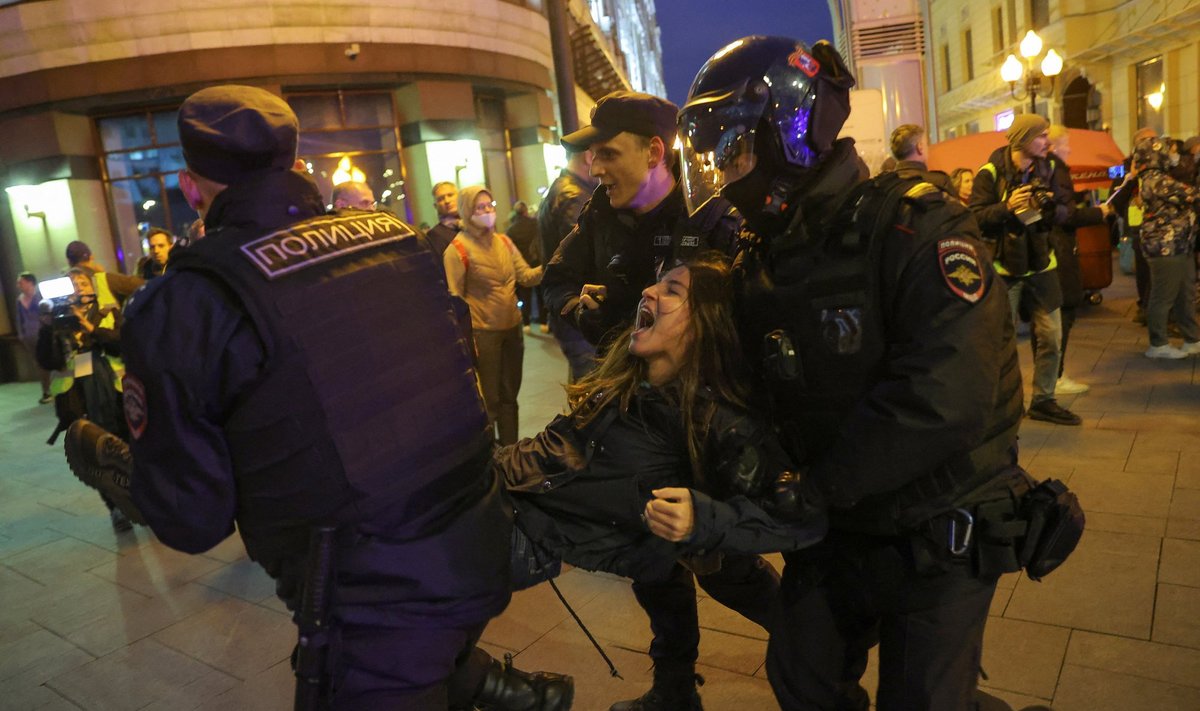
(1151, 91)
(140, 158)
(351, 135)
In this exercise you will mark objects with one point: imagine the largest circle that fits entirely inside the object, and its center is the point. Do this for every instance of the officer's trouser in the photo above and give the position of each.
(747, 584)
(415, 669)
(850, 592)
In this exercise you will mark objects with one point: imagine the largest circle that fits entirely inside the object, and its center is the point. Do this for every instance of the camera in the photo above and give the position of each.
(63, 318)
(1041, 201)
(352, 50)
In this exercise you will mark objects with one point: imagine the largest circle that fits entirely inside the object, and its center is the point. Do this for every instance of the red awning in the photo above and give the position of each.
(1092, 154)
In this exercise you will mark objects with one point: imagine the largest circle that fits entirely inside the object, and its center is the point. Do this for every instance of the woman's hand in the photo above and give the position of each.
(670, 514)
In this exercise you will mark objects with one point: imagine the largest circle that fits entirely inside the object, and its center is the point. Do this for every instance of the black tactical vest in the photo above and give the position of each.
(367, 412)
(817, 297)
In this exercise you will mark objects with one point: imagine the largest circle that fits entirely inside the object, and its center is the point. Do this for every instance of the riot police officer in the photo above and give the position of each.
(884, 341)
(247, 403)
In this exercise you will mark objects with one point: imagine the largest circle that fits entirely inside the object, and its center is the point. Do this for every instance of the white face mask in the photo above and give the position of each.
(487, 220)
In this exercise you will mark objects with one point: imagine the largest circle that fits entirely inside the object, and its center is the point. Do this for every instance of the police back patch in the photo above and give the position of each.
(960, 268)
(312, 242)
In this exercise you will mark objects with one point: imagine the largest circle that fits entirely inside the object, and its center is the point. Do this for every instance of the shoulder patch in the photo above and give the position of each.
(961, 269)
(135, 405)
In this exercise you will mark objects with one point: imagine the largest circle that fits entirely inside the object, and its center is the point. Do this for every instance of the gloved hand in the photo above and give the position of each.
(795, 497)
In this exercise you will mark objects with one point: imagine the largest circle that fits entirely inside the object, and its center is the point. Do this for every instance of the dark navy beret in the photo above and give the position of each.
(233, 132)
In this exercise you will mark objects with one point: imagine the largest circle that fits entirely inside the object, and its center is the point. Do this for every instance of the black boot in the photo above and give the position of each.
(508, 689)
(673, 690)
(102, 461)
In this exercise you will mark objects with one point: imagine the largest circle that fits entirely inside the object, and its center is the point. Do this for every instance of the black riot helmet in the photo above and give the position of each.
(765, 103)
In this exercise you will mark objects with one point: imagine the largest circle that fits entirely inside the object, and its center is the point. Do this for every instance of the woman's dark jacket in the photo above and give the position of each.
(579, 490)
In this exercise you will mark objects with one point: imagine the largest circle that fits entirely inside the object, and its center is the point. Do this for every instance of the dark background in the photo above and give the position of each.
(693, 30)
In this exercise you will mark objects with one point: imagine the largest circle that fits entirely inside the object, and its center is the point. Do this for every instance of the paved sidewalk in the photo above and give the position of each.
(96, 620)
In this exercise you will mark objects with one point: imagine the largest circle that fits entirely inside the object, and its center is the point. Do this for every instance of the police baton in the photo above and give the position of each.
(312, 619)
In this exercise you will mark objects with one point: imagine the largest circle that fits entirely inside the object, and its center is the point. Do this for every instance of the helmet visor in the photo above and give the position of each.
(707, 166)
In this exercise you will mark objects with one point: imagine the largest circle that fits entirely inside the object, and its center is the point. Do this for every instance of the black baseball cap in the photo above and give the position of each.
(78, 252)
(631, 111)
(232, 132)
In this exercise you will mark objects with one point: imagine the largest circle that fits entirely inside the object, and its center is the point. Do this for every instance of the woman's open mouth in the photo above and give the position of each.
(645, 318)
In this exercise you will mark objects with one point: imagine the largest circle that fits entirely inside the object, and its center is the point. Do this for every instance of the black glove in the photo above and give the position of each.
(796, 498)
(591, 323)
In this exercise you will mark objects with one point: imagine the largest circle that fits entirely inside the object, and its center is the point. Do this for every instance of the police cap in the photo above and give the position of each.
(232, 132)
(637, 113)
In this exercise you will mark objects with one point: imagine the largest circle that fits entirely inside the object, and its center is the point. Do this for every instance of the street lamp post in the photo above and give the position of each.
(1013, 68)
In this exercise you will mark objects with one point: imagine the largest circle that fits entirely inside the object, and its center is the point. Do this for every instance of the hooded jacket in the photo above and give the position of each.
(484, 269)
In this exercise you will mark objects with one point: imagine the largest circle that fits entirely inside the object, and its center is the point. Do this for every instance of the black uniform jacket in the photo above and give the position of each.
(621, 251)
(580, 490)
(196, 349)
(893, 385)
(559, 212)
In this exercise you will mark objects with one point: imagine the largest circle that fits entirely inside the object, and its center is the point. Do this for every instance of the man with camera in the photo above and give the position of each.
(1017, 200)
(79, 342)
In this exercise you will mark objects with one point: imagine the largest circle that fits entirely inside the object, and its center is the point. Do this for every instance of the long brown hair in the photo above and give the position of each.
(713, 361)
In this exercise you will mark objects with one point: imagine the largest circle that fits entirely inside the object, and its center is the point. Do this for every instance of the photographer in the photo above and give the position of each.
(1017, 199)
(79, 341)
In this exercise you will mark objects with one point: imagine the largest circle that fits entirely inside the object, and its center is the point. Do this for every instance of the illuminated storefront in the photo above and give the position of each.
(403, 94)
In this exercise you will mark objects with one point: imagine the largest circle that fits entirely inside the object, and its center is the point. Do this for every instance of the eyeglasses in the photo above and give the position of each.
(485, 207)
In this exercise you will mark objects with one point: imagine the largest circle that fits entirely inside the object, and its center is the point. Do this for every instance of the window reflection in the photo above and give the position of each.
(358, 125)
(141, 156)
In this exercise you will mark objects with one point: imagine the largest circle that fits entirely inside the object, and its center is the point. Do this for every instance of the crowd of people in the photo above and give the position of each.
(768, 352)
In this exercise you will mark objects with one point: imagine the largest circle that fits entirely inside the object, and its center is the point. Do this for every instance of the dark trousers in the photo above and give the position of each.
(746, 584)
(1141, 269)
(1068, 320)
(501, 356)
(415, 669)
(851, 592)
(526, 296)
(581, 355)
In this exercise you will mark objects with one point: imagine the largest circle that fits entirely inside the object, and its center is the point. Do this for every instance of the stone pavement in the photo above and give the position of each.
(91, 619)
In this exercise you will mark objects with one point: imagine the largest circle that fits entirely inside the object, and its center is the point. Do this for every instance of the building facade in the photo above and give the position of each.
(1125, 64)
(884, 43)
(399, 93)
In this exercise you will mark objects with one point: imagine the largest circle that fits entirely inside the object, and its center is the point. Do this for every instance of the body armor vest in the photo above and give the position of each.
(367, 412)
(817, 297)
(817, 301)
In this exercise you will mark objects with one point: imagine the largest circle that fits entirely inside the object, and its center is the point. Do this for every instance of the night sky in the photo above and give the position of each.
(693, 30)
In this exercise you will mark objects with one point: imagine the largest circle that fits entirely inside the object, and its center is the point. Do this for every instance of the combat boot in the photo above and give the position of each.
(673, 690)
(102, 460)
(507, 689)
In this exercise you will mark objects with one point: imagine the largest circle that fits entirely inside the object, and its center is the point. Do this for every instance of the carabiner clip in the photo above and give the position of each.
(957, 548)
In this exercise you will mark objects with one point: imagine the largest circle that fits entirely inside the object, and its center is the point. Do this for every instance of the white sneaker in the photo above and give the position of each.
(1192, 348)
(1168, 352)
(1066, 386)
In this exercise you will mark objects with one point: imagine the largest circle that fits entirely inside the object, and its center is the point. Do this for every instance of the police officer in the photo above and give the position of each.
(556, 217)
(247, 405)
(635, 224)
(884, 342)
